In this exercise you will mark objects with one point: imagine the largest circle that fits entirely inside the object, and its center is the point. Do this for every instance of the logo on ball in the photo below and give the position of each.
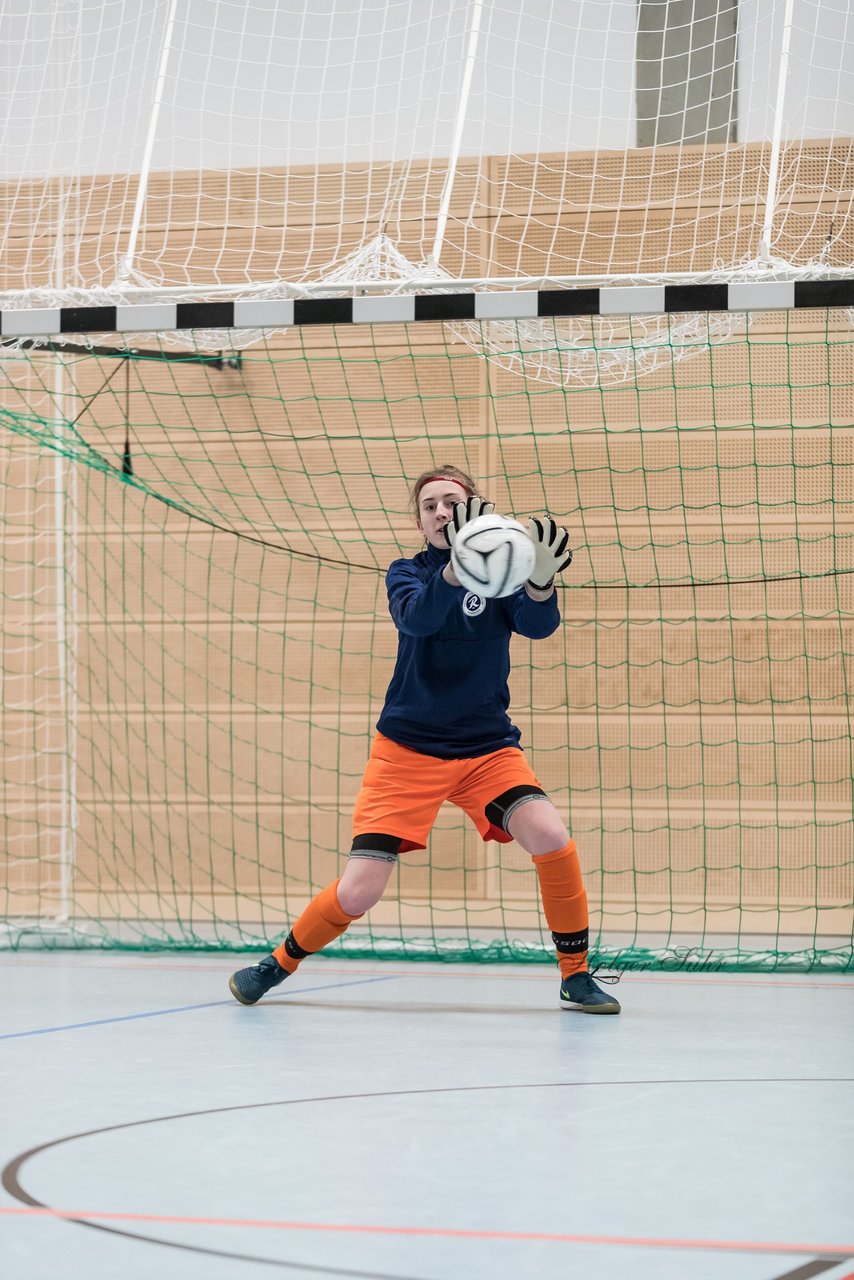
(493, 556)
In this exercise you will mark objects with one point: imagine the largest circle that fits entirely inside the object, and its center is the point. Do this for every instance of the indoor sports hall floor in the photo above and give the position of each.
(424, 1122)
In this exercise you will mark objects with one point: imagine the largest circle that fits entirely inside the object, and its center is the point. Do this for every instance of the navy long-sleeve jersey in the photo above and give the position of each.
(448, 695)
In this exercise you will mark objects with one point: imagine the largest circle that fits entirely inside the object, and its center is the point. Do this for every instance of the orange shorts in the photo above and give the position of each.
(403, 790)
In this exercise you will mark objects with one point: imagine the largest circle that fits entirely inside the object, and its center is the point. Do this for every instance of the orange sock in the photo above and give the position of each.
(565, 906)
(322, 922)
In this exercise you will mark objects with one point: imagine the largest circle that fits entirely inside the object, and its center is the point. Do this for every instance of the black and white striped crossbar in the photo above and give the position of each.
(280, 313)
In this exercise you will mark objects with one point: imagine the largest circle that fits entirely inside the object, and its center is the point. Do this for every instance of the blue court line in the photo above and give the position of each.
(185, 1008)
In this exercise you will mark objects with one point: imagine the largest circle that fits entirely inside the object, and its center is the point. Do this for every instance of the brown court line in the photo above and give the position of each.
(456, 1233)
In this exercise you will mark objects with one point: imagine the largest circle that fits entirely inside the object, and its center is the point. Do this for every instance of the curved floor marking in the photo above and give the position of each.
(96, 1220)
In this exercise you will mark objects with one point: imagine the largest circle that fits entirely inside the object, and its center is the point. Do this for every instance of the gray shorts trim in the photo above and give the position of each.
(517, 804)
(373, 855)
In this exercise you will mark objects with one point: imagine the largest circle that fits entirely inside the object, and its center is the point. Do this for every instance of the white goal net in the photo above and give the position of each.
(209, 145)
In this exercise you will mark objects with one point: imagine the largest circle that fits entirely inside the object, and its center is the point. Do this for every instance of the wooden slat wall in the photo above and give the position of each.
(672, 208)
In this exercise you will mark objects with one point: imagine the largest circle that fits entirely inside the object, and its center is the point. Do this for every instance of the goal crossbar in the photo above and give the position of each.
(405, 308)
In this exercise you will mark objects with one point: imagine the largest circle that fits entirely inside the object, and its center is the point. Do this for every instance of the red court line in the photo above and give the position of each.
(711, 981)
(628, 975)
(445, 1233)
(451, 971)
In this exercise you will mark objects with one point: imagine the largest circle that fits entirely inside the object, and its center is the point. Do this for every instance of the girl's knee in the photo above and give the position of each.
(362, 885)
(539, 828)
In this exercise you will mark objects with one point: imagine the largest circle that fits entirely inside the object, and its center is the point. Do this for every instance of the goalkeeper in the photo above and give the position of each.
(444, 734)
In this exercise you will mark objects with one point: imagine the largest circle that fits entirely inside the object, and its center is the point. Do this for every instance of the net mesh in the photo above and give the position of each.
(196, 641)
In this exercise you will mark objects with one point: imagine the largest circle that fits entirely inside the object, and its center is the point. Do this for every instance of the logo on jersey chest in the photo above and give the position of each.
(473, 604)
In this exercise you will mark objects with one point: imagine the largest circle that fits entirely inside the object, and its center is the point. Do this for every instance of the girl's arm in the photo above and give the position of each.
(533, 613)
(418, 608)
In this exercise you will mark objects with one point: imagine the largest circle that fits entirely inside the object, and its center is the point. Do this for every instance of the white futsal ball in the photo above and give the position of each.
(493, 556)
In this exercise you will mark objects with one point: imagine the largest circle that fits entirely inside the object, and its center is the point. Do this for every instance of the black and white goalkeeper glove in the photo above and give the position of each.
(465, 511)
(552, 550)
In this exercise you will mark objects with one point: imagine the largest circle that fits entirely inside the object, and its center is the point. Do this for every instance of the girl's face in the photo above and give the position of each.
(436, 503)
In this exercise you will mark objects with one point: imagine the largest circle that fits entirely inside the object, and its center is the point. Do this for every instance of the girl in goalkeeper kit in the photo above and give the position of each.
(444, 734)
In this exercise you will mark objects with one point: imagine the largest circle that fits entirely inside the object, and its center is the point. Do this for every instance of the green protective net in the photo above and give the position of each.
(196, 642)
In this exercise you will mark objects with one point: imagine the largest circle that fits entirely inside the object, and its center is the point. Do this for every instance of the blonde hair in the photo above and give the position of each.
(445, 471)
